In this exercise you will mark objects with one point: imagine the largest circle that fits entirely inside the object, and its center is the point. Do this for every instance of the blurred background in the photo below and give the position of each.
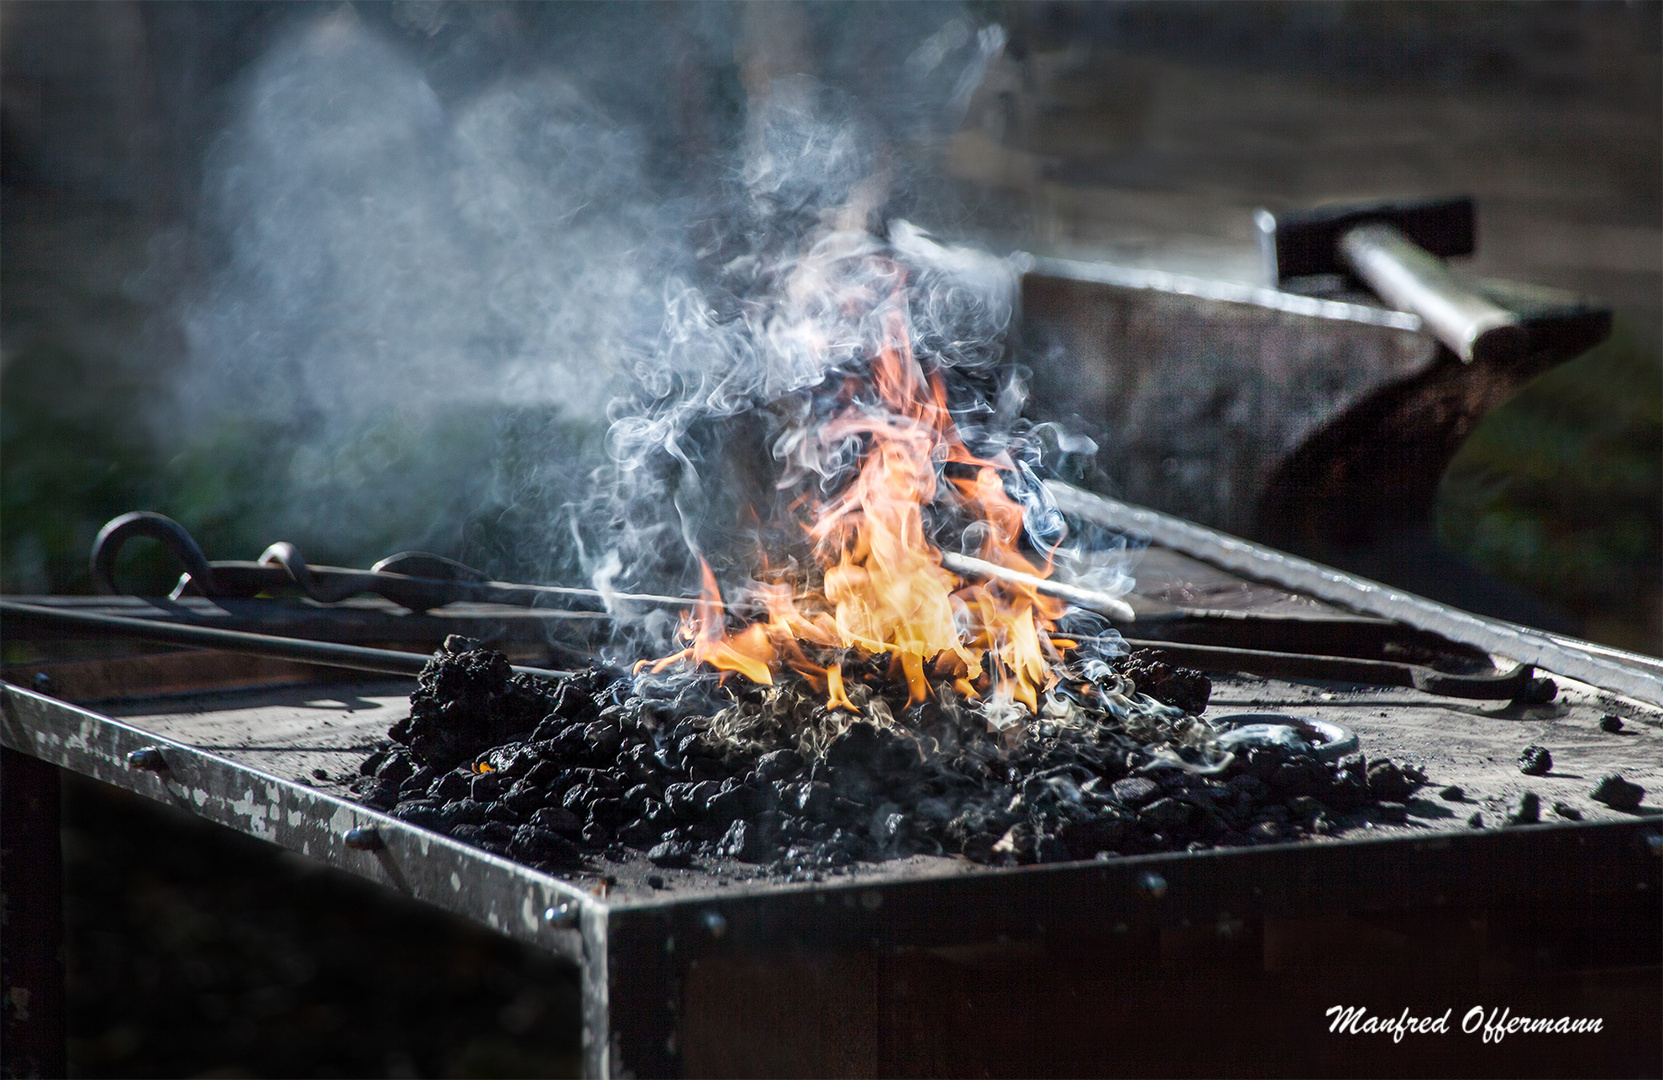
(167, 200)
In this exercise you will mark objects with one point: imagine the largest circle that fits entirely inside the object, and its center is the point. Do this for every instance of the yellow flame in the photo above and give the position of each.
(883, 586)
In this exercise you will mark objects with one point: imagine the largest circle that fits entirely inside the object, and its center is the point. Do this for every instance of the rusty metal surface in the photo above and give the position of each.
(1295, 419)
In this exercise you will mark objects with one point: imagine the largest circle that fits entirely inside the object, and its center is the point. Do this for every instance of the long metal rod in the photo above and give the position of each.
(326, 654)
(1101, 602)
(1639, 677)
(1498, 686)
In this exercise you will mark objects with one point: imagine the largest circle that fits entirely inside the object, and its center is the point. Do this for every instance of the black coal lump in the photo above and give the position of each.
(1386, 782)
(1567, 811)
(670, 854)
(1535, 760)
(423, 813)
(1168, 684)
(382, 795)
(1524, 809)
(467, 702)
(1611, 722)
(396, 768)
(858, 745)
(557, 819)
(742, 841)
(532, 844)
(465, 812)
(1134, 790)
(1617, 793)
(1165, 815)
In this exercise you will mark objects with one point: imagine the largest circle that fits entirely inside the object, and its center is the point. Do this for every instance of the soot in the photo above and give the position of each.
(591, 766)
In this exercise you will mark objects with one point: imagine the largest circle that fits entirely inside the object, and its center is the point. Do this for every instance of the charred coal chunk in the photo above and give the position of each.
(1387, 782)
(465, 812)
(382, 795)
(608, 813)
(1165, 815)
(779, 765)
(423, 813)
(857, 746)
(640, 834)
(743, 841)
(975, 833)
(1180, 687)
(1016, 846)
(396, 767)
(416, 785)
(1617, 793)
(558, 819)
(1524, 809)
(670, 854)
(373, 761)
(467, 702)
(532, 844)
(1533, 761)
(1134, 791)
(455, 784)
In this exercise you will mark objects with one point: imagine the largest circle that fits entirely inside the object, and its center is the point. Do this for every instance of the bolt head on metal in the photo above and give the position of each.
(362, 838)
(1153, 885)
(149, 759)
(714, 923)
(42, 682)
(562, 915)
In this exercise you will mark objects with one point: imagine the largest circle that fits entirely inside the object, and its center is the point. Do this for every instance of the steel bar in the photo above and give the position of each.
(1640, 677)
(1495, 686)
(1101, 602)
(418, 580)
(327, 654)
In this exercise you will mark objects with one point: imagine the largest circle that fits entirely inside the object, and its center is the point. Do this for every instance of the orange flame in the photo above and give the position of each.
(883, 587)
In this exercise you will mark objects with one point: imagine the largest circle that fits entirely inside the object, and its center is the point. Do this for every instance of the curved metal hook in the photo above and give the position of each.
(180, 544)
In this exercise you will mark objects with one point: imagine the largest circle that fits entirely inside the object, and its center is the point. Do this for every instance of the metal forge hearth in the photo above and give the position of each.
(1165, 963)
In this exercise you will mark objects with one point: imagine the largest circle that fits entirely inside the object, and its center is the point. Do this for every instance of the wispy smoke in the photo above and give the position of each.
(526, 311)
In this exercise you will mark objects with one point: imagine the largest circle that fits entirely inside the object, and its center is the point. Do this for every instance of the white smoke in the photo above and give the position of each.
(499, 316)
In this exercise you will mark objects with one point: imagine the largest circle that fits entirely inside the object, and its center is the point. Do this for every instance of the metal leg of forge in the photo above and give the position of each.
(32, 931)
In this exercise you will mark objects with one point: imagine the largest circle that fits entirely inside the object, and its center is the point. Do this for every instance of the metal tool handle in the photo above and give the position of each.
(1411, 278)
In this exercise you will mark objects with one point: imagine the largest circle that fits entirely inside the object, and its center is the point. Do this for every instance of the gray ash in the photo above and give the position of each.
(556, 773)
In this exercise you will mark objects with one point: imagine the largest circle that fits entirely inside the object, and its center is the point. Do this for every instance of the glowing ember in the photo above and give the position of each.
(882, 587)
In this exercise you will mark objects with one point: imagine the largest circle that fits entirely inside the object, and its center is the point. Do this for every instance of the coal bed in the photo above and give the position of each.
(597, 770)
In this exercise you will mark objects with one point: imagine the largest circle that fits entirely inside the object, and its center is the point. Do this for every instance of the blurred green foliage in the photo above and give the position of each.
(1561, 492)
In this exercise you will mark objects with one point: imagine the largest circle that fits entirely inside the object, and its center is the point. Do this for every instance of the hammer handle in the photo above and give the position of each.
(1410, 278)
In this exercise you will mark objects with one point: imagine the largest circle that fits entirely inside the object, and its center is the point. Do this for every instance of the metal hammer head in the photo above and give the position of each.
(1304, 242)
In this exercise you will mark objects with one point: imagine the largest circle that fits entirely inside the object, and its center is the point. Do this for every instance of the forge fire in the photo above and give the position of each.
(858, 693)
(882, 588)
